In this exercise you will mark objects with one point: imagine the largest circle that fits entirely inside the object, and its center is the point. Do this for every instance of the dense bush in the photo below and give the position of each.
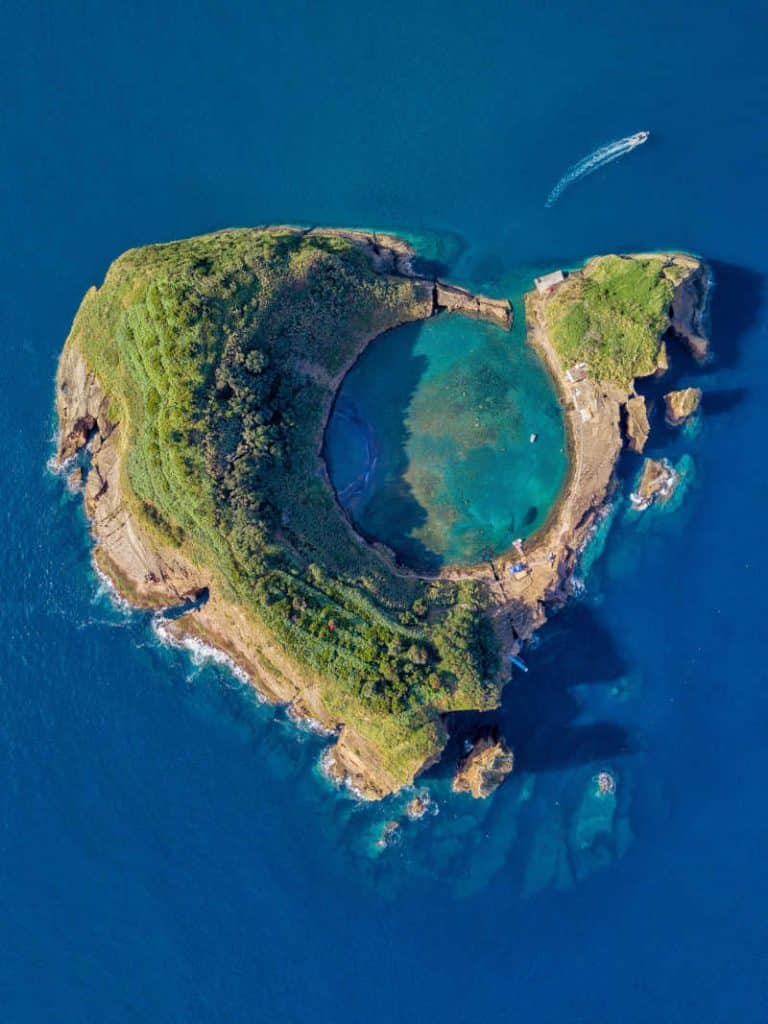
(219, 355)
(613, 314)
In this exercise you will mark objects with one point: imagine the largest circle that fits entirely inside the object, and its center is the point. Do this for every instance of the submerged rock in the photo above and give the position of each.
(681, 405)
(548, 863)
(485, 767)
(591, 833)
(636, 425)
(662, 360)
(388, 834)
(657, 482)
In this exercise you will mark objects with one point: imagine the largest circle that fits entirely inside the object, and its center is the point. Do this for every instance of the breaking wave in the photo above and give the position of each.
(200, 653)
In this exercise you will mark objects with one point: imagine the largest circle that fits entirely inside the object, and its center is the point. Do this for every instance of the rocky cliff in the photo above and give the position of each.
(152, 573)
(377, 749)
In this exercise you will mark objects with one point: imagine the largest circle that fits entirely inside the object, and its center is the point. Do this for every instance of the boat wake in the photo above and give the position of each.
(599, 158)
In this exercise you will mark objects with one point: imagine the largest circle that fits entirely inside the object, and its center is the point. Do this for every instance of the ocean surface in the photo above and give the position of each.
(169, 850)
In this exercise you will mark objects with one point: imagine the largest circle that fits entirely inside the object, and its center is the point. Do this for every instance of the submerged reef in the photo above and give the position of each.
(193, 394)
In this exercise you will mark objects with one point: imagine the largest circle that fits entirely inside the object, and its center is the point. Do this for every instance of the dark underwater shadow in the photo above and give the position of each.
(392, 359)
(737, 301)
(735, 308)
(714, 403)
(539, 710)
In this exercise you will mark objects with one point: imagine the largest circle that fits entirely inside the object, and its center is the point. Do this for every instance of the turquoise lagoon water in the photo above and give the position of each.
(429, 444)
(169, 850)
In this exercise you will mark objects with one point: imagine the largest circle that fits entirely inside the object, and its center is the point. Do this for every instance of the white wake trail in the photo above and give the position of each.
(599, 158)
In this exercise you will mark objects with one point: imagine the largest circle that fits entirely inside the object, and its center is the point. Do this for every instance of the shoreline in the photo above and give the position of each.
(151, 574)
(147, 573)
(595, 439)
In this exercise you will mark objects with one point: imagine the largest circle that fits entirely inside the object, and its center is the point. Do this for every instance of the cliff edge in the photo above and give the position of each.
(194, 389)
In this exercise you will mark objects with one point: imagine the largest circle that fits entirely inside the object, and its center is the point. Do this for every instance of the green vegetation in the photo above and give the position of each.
(612, 316)
(219, 356)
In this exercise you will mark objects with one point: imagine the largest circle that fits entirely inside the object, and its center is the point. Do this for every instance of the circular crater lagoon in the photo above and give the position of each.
(447, 442)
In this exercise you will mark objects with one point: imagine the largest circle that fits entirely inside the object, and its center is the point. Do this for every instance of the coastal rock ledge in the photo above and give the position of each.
(197, 381)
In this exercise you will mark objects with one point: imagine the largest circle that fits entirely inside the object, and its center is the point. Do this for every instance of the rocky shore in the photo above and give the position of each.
(151, 574)
(601, 419)
(484, 768)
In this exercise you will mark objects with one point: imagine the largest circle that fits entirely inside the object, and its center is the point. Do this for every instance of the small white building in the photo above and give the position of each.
(548, 281)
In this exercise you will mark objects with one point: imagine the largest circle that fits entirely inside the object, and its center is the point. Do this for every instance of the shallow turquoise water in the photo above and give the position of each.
(429, 445)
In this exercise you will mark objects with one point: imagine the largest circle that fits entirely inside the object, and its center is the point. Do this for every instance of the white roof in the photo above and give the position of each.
(548, 280)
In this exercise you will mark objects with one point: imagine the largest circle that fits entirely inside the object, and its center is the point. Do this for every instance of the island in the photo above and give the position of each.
(193, 395)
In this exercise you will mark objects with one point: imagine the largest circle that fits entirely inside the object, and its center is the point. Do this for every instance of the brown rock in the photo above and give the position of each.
(636, 425)
(75, 479)
(458, 300)
(485, 767)
(662, 360)
(78, 436)
(680, 405)
(388, 834)
(657, 482)
(417, 806)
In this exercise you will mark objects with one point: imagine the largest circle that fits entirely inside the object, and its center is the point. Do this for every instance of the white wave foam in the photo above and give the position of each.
(57, 468)
(325, 767)
(106, 589)
(307, 724)
(201, 653)
(600, 157)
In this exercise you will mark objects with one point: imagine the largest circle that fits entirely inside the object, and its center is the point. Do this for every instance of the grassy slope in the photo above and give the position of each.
(216, 353)
(612, 316)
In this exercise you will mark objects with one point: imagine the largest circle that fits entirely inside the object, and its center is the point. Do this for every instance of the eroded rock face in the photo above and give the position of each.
(657, 482)
(78, 436)
(689, 308)
(485, 767)
(636, 425)
(681, 405)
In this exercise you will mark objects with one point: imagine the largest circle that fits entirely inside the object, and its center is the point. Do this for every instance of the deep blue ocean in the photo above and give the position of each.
(169, 851)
